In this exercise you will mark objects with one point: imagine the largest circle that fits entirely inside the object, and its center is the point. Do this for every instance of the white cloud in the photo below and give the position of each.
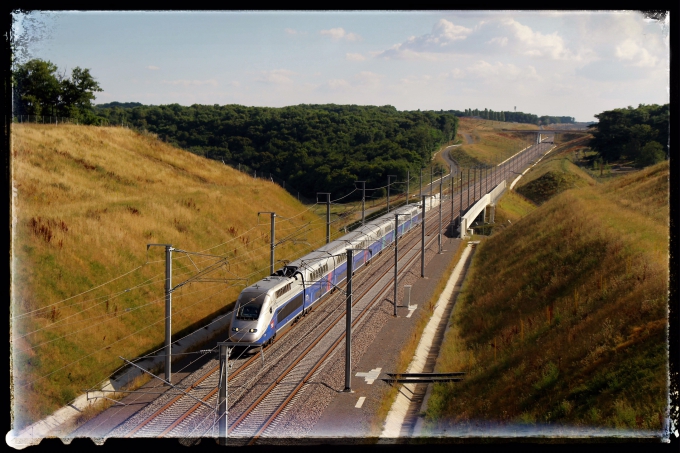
(340, 33)
(501, 41)
(186, 83)
(153, 68)
(444, 34)
(536, 44)
(629, 50)
(502, 35)
(276, 76)
(354, 57)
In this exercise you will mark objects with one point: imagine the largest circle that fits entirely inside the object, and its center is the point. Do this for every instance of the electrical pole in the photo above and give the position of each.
(452, 183)
(168, 307)
(396, 258)
(421, 182)
(348, 327)
(328, 214)
(468, 190)
(222, 397)
(474, 185)
(441, 202)
(388, 191)
(422, 242)
(272, 244)
(460, 207)
(408, 183)
(363, 202)
(168, 311)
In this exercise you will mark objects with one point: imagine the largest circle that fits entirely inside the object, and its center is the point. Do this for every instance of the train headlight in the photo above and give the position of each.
(235, 329)
(252, 330)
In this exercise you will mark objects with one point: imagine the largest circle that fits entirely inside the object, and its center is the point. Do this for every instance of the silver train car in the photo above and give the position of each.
(273, 303)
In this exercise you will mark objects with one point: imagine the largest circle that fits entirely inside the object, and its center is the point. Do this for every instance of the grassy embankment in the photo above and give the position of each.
(556, 173)
(563, 316)
(492, 144)
(87, 202)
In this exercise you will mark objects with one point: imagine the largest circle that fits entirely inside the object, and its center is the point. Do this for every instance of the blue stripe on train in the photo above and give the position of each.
(319, 290)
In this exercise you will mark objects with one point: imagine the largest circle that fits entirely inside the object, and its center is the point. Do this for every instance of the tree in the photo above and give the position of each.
(37, 88)
(625, 132)
(40, 90)
(78, 92)
(650, 154)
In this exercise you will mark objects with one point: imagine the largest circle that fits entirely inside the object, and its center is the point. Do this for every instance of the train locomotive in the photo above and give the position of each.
(273, 303)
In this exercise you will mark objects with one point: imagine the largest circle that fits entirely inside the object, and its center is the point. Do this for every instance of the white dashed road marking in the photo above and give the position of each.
(371, 375)
(360, 402)
(411, 309)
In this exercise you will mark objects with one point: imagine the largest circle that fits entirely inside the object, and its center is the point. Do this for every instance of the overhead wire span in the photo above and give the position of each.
(286, 219)
(122, 313)
(219, 318)
(232, 239)
(338, 199)
(107, 298)
(111, 344)
(80, 294)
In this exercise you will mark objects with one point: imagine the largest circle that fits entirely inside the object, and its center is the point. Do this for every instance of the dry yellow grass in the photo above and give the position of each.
(492, 144)
(569, 326)
(86, 203)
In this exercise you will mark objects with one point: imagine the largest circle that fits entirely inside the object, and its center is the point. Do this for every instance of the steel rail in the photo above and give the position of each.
(335, 344)
(247, 363)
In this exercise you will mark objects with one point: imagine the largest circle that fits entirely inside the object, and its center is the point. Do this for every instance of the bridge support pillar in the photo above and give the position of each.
(492, 213)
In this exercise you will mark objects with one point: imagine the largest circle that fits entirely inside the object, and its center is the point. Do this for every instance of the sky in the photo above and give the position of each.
(571, 63)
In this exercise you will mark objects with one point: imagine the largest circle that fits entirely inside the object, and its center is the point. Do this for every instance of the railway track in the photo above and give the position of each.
(258, 393)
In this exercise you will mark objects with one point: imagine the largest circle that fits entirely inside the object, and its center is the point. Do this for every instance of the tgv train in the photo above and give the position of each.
(273, 303)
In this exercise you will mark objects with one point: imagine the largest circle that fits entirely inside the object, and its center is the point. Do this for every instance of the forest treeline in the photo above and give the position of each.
(315, 148)
(516, 117)
(639, 134)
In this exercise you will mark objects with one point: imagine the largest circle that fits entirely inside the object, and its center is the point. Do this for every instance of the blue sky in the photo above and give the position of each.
(548, 63)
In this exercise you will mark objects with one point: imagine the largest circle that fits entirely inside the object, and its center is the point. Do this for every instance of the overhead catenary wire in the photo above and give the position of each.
(104, 298)
(80, 294)
(115, 342)
(343, 197)
(161, 260)
(111, 318)
(311, 282)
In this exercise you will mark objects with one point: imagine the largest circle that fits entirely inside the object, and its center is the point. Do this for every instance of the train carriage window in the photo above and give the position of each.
(283, 290)
(317, 274)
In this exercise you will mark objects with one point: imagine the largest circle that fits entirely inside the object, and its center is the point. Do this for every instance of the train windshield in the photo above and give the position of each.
(249, 306)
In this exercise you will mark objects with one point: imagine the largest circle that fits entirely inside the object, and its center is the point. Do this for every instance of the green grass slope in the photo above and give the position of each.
(86, 203)
(563, 316)
(555, 174)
